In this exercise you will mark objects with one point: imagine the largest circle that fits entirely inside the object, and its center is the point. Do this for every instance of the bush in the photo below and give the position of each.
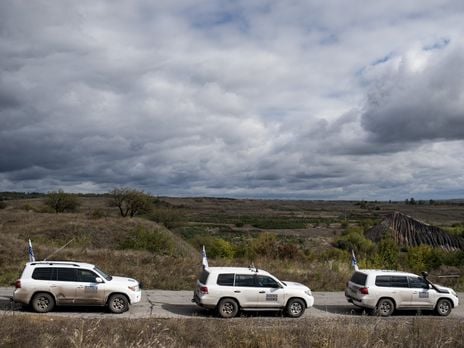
(155, 241)
(61, 202)
(3, 205)
(215, 247)
(355, 240)
(169, 217)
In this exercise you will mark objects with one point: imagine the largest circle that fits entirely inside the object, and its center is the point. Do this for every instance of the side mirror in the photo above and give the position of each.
(98, 280)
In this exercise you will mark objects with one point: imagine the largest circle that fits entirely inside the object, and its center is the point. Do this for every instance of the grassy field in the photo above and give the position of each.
(295, 240)
(40, 331)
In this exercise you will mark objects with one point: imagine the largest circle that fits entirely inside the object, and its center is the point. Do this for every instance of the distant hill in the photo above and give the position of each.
(409, 232)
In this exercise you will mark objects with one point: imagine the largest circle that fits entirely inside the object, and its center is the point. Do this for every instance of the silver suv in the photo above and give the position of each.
(45, 284)
(230, 289)
(383, 292)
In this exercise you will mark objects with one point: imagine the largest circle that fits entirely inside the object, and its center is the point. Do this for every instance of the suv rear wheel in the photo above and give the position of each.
(227, 308)
(295, 308)
(43, 302)
(443, 307)
(385, 307)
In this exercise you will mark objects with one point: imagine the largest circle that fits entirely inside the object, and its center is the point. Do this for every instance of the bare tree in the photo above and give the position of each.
(130, 201)
(61, 201)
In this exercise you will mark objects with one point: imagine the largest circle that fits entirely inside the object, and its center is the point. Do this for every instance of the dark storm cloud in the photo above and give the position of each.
(413, 106)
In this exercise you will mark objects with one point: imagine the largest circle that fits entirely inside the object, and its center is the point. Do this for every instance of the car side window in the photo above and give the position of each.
(66, 274)
(391, 281)
(84, 275)
(42, 273)
(245, 280)
(266, 282)
(226, 279)
(417, 282)
(399, 282)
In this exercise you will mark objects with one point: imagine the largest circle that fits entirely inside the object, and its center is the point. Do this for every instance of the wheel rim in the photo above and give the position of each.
(296, 308)
(443, 307)
(43, 302)
(118, 303)
(228, 308)
(385, 308)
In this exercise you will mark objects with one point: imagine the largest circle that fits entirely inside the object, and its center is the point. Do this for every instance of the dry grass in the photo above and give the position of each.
(40, 331)
(98, 232)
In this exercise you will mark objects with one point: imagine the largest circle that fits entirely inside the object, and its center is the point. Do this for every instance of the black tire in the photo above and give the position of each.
(227, 308)
(118, 303)
(43, 302)
(385, 307)
(295, 308)
(443, 307)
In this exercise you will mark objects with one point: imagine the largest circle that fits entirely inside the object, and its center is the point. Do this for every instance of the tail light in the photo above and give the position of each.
(18, 284)
(364, 291)
(203, 290)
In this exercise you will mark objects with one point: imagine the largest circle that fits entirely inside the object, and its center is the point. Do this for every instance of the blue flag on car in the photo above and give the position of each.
(354, 261)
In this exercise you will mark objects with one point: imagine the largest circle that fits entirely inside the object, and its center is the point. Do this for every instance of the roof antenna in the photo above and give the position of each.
(64, 246)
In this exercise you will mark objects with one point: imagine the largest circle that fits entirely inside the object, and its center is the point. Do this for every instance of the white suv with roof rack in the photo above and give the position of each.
(383, 292)
(230, 289)
(44, 284)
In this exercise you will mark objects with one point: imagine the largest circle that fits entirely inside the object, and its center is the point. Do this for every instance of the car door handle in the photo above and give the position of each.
(80, 287)
(262, 292)
(237, 291)
(53, 286)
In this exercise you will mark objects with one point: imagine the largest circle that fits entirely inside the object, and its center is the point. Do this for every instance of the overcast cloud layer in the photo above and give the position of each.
(268, 99)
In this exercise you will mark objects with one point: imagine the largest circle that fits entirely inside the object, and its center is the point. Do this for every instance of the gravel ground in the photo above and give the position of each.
(177, 304)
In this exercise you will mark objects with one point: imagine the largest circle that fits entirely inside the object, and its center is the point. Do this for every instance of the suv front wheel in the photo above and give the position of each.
(43, 302)
(443, 307)
(118, 303)
(227, 308)
(295, 308)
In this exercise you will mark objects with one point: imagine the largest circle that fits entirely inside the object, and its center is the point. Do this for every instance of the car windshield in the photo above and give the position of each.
(103, 274)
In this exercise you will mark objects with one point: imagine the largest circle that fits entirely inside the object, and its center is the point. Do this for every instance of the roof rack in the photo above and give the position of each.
(65, 263)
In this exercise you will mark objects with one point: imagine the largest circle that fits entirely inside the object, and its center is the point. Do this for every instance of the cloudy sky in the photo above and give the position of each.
(262, 99)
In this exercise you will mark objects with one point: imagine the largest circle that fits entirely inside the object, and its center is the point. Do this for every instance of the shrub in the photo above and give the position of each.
(153, 240)
(215, 247)
(3, 205)
(169, 217)
(61, 202)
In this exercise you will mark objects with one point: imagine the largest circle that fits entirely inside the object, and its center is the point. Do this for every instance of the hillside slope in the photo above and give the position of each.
(409, 232)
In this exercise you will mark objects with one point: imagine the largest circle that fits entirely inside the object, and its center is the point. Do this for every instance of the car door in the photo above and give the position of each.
(89, 291)
(395, 287)
(63, 285)
(421, 294)
(270, 292)
(245, 290)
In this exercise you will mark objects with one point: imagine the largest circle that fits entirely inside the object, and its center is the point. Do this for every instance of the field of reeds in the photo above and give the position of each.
(42, 331)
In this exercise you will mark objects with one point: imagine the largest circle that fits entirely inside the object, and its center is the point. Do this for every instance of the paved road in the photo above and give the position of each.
(177, 304)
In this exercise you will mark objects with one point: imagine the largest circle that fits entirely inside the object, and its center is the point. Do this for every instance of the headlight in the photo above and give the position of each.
(308, 292)
(134, 288)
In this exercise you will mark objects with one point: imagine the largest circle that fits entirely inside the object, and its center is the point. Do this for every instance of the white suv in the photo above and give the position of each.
(229, 289)
(383, 292)
(45, 284)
